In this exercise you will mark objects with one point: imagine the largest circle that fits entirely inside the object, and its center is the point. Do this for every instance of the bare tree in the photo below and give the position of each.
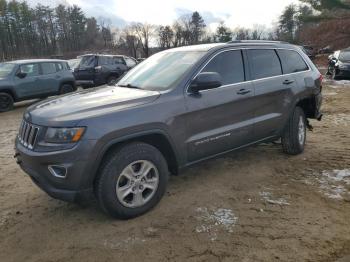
(144, 32)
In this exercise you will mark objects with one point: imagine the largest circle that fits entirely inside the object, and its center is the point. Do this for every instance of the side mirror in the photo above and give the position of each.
(205, 80)
(21, 74)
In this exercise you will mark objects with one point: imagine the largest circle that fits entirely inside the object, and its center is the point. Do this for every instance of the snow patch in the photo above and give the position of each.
(125, 243)
(334, 184)
(267, 197)
(212, 220)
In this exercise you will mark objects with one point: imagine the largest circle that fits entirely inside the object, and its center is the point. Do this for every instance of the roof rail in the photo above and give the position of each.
(256, 41)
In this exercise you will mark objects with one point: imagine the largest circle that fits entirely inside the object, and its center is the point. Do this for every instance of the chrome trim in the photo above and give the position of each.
(27, 134)
(249, 81)
(52, 171)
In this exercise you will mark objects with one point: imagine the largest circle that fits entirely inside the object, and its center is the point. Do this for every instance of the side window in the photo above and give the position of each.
(48, 68)
(292, 62)
(105, 60)
(130, 62)
(30, 69)
(59, 67)
(118, 60)
(229, 65)
(264, 63)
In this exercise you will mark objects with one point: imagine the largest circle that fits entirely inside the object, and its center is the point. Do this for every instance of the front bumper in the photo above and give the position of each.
(75, 186)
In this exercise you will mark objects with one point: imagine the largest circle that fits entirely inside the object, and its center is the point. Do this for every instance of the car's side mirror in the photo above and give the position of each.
(205, 80)
(21, 74)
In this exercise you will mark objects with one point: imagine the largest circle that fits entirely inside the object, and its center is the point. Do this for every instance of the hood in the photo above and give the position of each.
(69, 109)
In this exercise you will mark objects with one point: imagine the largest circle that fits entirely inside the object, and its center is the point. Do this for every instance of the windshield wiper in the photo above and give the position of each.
(130, 86)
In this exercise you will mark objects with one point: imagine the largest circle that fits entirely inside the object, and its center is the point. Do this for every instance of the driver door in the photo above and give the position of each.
(220, 119)
(28, 86)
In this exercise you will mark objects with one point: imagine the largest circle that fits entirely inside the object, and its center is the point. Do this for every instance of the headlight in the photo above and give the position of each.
(64, 135)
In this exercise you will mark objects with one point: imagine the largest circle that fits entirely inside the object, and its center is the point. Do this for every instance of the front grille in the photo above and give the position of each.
(28, 134)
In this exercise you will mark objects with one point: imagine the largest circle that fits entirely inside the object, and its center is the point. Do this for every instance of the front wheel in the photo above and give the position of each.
(132, 180)
(294, 135)
(6, 102)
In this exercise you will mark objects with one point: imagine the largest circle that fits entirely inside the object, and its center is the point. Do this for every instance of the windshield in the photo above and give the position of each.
(161, 70)
(6, 69)
(344, 56)
(74, 63)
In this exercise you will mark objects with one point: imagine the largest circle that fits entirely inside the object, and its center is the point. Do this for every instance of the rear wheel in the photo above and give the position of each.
(6, 102)
(294, 135)
(66, 88)
(132, 180)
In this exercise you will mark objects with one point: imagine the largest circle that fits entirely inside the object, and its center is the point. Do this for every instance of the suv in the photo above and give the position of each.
(29, 79)
(339, 64)
(176, 108)
(95, 70)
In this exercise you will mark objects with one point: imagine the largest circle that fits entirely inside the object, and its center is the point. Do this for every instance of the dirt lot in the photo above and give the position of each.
(254, 205)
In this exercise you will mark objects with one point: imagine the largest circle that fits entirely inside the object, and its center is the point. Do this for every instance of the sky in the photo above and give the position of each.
(243, 13)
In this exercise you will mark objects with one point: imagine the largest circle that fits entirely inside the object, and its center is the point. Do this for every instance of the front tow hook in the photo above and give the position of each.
(17, 160)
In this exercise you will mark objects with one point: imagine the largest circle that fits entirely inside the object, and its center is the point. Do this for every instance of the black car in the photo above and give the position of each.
(339, 64)
(96, 69)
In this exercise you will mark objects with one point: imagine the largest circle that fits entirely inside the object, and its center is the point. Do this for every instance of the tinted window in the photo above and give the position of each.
(264, 63)
(105, 60)
(344, 56)
(48, 68)
(292, 62)
(30, 69)
(87, 61)
(229, 65)
(118, 60)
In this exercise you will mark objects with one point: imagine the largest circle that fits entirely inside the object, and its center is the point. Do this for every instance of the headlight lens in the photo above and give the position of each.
(64, 135)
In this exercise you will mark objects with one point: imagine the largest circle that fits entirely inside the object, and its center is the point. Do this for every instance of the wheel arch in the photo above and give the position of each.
(157, 138)
(10, 92)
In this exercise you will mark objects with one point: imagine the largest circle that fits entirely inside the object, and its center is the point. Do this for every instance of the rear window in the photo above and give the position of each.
(264, 63)
(229, 65)
(292, 62)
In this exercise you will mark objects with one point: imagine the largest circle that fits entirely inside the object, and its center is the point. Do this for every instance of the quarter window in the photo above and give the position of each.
(229, 65)
(48, 68)
(264, 63)
(292, 62)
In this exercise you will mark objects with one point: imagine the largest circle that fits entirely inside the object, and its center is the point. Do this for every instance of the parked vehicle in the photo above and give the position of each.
(339, 64)
(95, 69)
(309, 51)
(37, 78)
(176, 108)
(325, 50)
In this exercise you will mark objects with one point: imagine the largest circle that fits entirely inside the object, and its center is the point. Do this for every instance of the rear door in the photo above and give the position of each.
(29, 85)
(273, 92)
(220, 119)
(50, 77)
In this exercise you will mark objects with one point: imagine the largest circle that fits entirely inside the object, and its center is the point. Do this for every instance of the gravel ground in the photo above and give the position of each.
(253, 205)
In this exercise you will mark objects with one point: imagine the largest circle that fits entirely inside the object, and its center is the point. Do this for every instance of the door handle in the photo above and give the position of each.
(288, 82)
(243, 92)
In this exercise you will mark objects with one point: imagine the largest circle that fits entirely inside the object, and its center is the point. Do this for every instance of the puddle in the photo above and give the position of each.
(267, 197)
(211, 221)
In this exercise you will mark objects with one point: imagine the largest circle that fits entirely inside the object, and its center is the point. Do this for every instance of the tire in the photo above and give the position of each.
(294, 135)
(114, 180)
(66, 88)
(6, 102)
(112, 80)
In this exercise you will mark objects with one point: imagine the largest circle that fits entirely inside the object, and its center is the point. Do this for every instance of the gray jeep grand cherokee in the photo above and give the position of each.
(177, 108)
